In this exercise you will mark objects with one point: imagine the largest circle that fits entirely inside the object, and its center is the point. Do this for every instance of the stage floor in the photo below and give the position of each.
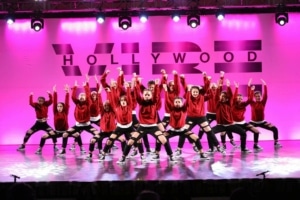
(47, 167)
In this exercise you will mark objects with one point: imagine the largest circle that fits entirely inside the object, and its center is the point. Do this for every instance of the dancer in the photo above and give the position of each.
(177, 110)
(107, 125)
(238, 113)
(60, 112)
(224, 118)
(41, 112)
(82, 117)
(148, 121)
(258, 113)
(123, 109)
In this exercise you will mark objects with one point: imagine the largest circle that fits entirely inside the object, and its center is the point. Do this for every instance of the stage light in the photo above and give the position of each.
(10, 20)
(176, 17)
(193, 20)
(282, 18)
(143, 18)
(125, 22)
(100, 18)
(37, 24)
(220, 14)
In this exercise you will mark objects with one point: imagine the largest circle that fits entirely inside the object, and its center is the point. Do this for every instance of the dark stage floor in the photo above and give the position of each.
(281, 164)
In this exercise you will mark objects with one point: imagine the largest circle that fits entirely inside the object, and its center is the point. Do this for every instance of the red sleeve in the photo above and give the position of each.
(230, 95)
(100, 103)
(236, 92)
(129, 99)
(54, 102)
(176, 85)
(97, 87)
(206, 82)
(120, 82)
(67, 103)
(49, 102)
(111, 99)
(265, 95)
(88, 93)
(218, 92)
(168, 100)
(31, 101)
(137, 92)
(250, 95)
(156, 94)
(103, 80)
(74, 96)
(184, 85)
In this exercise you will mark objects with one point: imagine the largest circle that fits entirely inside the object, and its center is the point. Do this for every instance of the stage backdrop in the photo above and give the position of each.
(244, 46)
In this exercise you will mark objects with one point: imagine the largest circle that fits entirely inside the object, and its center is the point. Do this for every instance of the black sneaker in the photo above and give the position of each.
(210, 151)
(232, 142)
(149, 150)
(55, 148)
(246, 150)
(277, 145)
(143, 158)
(102, 157)
(62, 152)
(89, 157)
(221, 150)
(39, 151)
(195, 149)
(178, 152)
(155, 157)
(134, 153)
(224, 145)
(257, 147)
(21, 147)
(72, 147)
(172, 159)
(121, 160)
(204, 156)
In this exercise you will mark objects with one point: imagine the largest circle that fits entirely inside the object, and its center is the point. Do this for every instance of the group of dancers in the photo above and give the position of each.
(185, 107)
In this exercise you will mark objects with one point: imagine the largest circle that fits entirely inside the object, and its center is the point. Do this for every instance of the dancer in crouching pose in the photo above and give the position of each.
(238, 113)
(123, 109)
(177, 110)
(224, 100)
(258, 113)
(60, 112)
(148, 121)
(196, 115)
(41, 112)
(82, 117)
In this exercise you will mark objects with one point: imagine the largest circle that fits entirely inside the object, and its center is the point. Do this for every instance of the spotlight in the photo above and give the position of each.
(220, 15)
(10, 20)
(124, 22)
(37, 24)
(100, 18)
(143, 18)
(176, 17)
(193, 20)
(282, 18)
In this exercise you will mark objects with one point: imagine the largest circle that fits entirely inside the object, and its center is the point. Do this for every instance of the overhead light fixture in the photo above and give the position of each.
(10, 19)
(220, 14)
(125, 22)
(282, 18)
(176, 17)
(37, 24)
(143, 17)
(193, 20)
(100, 18)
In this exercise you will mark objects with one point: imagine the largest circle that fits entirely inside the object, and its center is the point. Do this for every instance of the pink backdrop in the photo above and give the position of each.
(34, 61)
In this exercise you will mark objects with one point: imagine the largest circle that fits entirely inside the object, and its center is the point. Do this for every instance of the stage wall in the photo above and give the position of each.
(244, 46)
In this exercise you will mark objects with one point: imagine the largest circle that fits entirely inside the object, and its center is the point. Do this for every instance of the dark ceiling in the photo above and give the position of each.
(114, 8)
